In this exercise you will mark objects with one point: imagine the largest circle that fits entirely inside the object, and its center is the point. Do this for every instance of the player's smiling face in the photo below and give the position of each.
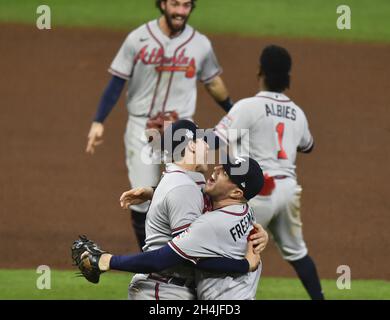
(176, 13)
(219, 186)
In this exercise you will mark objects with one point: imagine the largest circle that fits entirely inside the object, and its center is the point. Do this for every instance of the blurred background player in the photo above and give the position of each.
(162, 61)
(275, 129)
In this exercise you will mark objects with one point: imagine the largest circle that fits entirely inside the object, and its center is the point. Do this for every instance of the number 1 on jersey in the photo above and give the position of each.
(280, 130)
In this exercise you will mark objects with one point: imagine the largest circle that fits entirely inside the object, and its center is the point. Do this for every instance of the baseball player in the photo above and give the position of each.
(228, 228)
(276, 128)
(161, 61)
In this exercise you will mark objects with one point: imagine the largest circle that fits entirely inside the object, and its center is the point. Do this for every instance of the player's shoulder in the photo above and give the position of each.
(299, 110)
(139, 31)
(251, 104)
(178, 179)
(248, 101)
(201, 38)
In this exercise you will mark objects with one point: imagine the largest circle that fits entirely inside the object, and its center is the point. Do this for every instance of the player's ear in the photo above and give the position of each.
(163, 5)
(236, 194)
(191, 146)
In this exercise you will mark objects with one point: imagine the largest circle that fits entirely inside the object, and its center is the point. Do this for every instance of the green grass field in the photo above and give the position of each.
(21, 284)
(286, 18)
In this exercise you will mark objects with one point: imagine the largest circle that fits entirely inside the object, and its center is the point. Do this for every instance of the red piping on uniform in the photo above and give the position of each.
(213, 76)
(172, 73)
(182, 253)
(119, 74)
(178, 171)
(156, 288)
(273, 99)
(159, 75)
(237, 214)
(180, 228)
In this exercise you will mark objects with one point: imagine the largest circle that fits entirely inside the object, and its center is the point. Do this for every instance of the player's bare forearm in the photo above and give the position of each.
(217, 89)
(136, 196)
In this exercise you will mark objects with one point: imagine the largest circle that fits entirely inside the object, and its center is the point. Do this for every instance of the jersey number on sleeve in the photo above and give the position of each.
(280, 130)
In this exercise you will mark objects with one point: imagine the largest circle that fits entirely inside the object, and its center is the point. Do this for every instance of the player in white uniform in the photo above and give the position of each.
(276, 128)
(161, 61)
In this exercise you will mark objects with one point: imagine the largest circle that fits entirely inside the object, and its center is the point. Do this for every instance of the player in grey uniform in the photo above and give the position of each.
(228, 230)
(177, 202)
(276, 128)
(161, 61)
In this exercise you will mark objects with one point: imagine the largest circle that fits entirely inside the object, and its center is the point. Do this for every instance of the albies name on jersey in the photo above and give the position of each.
(280, 111)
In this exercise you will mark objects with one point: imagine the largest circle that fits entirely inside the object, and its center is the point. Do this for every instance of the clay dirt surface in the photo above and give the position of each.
(51, 191)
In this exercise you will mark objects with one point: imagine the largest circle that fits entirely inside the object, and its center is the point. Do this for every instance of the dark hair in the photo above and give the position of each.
(275, 65)
(158, 4)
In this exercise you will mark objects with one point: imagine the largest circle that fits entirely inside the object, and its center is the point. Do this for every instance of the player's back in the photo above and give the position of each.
(275, 128)
(222, 232)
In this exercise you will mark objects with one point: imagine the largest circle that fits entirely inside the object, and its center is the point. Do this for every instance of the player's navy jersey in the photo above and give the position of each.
(269, 128)
(162, 71)
(177, 202)
(222, 232)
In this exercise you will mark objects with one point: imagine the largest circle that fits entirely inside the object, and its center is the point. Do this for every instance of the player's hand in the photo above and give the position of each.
(135, 196)
(94, 137)
(259, 237)
(252, 257)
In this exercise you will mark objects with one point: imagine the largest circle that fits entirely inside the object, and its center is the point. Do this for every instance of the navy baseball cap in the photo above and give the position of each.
(246, 173)
(178, 134)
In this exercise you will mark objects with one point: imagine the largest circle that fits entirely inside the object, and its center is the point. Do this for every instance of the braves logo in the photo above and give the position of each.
(239, 160)
(179, 63)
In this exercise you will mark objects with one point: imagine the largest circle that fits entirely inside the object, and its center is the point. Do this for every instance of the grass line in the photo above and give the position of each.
(22, 284)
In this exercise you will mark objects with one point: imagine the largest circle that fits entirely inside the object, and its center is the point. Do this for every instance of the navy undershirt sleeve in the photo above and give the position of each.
(165, 257)
(146, 262)
(225, 265)
(109, 98)
(226, 104)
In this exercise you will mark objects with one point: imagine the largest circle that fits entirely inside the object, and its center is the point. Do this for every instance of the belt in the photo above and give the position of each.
(181, 282)
(279, 177)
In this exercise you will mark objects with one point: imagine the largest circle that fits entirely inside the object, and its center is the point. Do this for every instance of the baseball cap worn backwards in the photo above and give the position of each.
(177, 136)
(246, 173)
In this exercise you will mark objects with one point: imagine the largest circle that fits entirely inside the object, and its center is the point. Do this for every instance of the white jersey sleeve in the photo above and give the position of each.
(210, 67)
(198, 241)
(221, 233)
(307, 139)
(237, 122)
(122, 64)
(184, 204)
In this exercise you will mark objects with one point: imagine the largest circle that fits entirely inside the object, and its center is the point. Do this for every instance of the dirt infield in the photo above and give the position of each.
(51, 191)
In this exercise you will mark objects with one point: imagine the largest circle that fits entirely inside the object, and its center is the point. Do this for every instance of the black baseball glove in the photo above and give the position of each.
(86, 255)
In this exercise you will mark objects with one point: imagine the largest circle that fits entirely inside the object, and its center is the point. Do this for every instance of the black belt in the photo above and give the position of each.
(279, 177)
(181, 282)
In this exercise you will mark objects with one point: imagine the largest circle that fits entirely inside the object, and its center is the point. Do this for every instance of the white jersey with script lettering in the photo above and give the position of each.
(163, 71)
(269, 128)
(222, 232)
(162, 76)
